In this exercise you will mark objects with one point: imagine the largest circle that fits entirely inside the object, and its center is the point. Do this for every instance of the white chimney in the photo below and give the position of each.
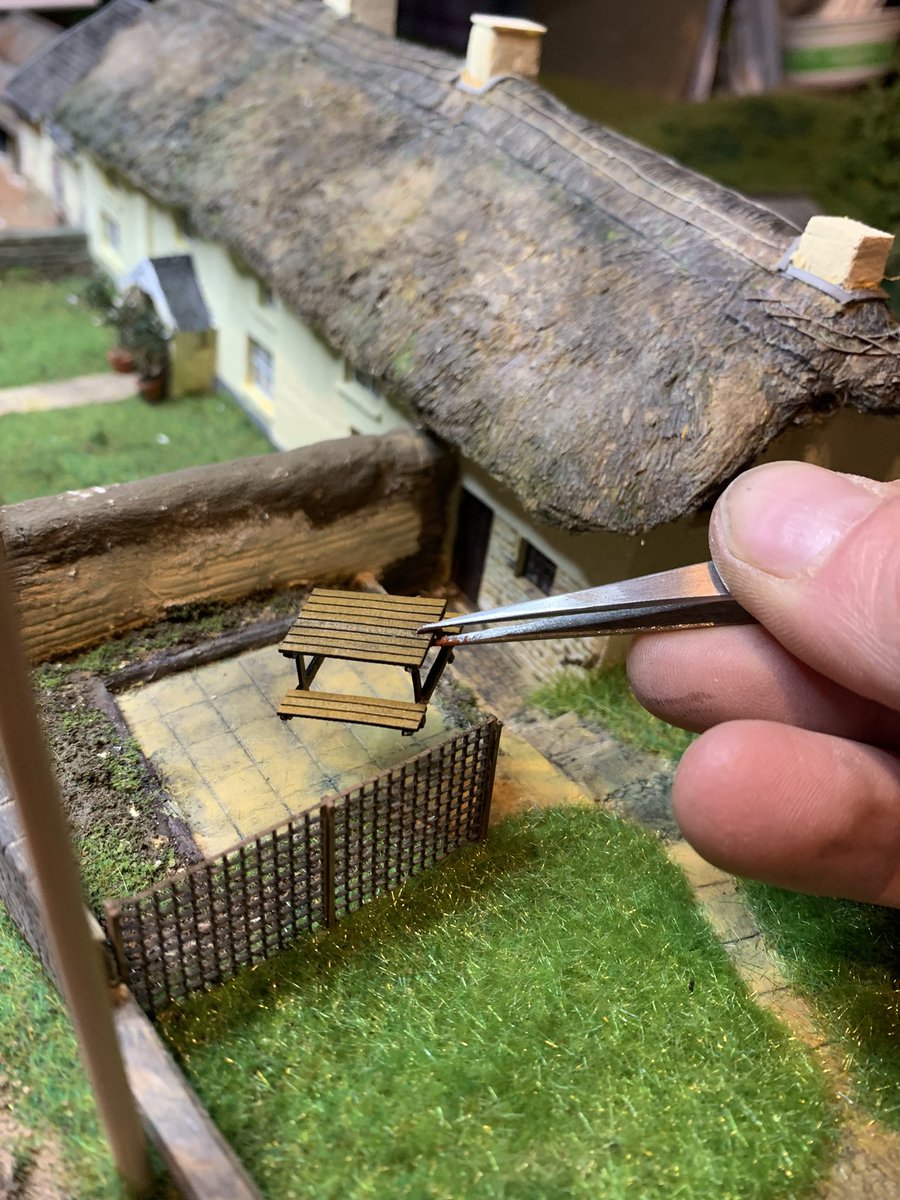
(502, 46)
(843, 252)
(376, 14)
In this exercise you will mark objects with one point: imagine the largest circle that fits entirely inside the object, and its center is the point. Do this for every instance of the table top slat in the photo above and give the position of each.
(366, 600)
(363, 627)
(365, 634)
(330, 650)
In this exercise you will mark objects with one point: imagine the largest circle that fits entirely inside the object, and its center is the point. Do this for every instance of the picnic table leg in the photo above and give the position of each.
(306, 672)
(445, 656)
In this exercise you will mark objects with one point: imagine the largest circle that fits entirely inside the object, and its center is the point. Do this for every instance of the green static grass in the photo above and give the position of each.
(844, 957)
(605, 697)
(44, 1089)
(43, 453)
(45, 336)
(544, 1015)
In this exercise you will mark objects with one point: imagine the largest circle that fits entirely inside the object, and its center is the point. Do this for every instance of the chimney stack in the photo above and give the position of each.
(843, 252)
(502, 46)
(376, 14)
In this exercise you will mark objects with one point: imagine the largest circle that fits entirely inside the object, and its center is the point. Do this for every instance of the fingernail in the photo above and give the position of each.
(785, 518)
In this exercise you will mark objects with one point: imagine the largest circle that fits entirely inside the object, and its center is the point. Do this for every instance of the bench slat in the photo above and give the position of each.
(360, 710)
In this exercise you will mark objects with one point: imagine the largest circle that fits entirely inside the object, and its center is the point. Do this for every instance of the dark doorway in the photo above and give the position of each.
(473, 533)
(445, 23)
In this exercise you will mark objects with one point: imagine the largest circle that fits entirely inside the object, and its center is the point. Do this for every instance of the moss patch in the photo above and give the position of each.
(605, 698)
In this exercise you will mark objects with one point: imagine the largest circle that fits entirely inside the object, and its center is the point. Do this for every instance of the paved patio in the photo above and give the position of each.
(233, 768)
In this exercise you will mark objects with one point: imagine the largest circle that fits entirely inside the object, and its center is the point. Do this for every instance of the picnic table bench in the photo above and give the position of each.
(363, 627)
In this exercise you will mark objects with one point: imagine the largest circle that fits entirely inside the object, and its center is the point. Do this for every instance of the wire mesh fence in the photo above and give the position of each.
(202, 926)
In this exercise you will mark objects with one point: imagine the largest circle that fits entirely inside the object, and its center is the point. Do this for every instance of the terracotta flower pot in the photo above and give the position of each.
(152, 388)
(120, 359)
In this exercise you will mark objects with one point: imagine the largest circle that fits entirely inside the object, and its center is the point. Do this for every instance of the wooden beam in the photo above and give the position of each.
(49, 845)
(196, 1154)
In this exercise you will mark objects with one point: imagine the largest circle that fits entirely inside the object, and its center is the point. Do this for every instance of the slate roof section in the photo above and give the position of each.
(597, 327)
(172, 285)
(39, 85)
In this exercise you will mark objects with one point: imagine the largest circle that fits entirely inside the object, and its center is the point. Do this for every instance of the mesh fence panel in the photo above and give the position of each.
(202, 926)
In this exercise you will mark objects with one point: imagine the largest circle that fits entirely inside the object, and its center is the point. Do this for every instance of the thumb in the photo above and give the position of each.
(815, 557)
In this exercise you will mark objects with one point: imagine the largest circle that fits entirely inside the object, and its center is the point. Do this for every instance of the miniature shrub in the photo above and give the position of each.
(545, 1015)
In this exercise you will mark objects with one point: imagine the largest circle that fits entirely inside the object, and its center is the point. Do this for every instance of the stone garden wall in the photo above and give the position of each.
(52, 253)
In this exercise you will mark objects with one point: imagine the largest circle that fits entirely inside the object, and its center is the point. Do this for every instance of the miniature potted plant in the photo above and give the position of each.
(148, 341)
(100, 295)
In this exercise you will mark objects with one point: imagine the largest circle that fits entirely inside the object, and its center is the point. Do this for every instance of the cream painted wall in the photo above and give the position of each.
(36, 157)
(57, 175)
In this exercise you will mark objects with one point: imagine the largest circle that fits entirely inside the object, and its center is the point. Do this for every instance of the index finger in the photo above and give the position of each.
(815, 556)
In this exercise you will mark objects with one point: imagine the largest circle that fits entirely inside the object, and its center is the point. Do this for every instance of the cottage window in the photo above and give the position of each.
(112, 232)
(365, 380)
(261, 368)
(536, 567)
(264, 295)
(184, 228)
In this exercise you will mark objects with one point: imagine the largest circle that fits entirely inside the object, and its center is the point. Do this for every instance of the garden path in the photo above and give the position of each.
(67, 393)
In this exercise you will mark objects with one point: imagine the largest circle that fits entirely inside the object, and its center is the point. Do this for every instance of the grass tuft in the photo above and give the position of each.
(543, 1015)
(605, 697)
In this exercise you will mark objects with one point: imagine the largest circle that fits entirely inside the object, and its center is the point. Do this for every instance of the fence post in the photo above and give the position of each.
(327, 842)
(487, 782)
(114, 934)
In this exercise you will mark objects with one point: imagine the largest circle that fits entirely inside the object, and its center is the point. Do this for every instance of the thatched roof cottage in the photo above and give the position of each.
(601, 334)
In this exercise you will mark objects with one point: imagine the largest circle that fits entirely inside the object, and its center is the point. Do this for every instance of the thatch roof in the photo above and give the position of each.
(594, 325)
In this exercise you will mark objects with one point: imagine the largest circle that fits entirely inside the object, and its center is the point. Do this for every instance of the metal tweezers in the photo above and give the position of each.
(686, 598)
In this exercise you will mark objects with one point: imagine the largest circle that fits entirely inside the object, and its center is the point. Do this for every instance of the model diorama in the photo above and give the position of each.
(454, 305)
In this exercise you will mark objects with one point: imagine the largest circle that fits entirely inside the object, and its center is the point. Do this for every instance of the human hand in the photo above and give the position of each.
(796, 780)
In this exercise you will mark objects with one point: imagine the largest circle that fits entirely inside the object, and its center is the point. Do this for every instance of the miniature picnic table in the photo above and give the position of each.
(363, 627)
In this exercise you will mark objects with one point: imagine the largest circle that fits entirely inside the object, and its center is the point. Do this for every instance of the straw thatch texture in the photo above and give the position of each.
(597, 327)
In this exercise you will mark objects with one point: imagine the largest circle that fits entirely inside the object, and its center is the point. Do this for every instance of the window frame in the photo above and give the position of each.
(261, 381)
(537, 567)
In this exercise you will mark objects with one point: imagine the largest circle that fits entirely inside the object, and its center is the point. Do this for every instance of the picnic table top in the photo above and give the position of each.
(363, 626)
